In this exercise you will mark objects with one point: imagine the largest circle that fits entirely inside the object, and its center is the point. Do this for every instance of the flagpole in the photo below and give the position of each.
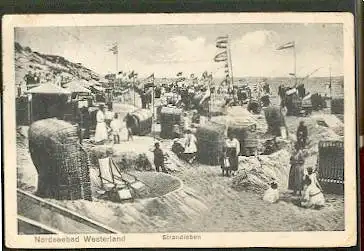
(153, 115)
(330, 84)
(134, 91)
(230, 63)
(294, 58)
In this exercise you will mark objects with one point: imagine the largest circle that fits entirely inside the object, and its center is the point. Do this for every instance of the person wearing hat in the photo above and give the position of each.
(271, 195)
(101, 130)
(158, 158)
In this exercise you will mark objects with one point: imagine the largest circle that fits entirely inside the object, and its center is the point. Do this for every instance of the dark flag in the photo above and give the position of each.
(149, 81)
(132, 75)
(114, 49)
(179, 74)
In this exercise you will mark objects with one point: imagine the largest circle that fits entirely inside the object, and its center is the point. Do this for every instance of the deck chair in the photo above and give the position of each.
(111, 180)
(130, 181)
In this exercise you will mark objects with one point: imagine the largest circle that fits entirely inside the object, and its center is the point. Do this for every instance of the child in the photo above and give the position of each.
(312, 174)
(225, 164)
(115, 129)
(158, 158)
(312, 196)
(271, 195)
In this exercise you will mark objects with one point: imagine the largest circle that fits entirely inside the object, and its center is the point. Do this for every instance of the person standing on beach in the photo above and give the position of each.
(232, 146)
(297, 171)
(116, 129)
(302, 134)
(129, 121)
(158, 158)
(101, 130)
(190, 146)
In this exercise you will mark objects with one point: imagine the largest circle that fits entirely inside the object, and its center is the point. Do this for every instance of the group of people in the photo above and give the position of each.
(303, 180)
(109, 122)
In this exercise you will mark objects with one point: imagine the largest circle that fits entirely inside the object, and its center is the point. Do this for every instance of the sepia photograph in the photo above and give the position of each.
(204, 130)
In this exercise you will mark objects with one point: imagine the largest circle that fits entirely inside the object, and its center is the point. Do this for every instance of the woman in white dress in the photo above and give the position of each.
(312, 196)
(101, 130)
(190, 147)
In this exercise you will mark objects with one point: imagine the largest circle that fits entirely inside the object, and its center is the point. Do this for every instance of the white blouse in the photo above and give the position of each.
(234, 143)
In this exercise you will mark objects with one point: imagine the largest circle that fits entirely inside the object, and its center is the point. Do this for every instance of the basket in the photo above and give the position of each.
(210, 142)
(169, 117)
(61, 163)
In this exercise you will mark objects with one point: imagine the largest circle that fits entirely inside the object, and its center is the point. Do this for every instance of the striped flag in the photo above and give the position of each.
(114, 49)
(222, 56)
(221, 42)
(286, 46)
(149, 81)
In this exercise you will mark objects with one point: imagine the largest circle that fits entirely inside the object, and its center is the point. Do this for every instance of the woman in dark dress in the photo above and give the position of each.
(232, 147)
(297, 171)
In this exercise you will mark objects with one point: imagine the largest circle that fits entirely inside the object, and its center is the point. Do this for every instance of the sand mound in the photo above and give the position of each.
(145, 215)
(255, 173)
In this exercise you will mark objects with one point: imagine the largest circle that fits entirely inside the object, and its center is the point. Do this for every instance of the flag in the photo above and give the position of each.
(221, 38)
(114, 49)
(206, 96)
(221, 42)
(120, 72)
(204, 75)
(222, 56)
(179, 74)
(292, 74)
(149, 81)
(132, 75)
(286, 46)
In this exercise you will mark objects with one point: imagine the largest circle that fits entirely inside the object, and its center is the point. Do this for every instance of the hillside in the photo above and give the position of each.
(47, 67)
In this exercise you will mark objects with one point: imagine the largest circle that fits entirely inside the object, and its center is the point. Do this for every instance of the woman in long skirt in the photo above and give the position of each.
(297, 172)
(101, 130)
(232, 146)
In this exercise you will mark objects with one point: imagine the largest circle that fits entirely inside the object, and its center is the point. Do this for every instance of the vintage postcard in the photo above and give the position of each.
(179, 130)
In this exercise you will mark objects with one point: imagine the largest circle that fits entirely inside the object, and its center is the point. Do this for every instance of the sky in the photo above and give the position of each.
(166, 50)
